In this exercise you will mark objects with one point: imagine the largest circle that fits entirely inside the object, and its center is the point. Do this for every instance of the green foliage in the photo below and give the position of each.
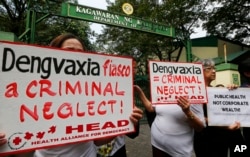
(55, 26)
(15, 13)
(12, 15)
(183, 15)
(229, 19)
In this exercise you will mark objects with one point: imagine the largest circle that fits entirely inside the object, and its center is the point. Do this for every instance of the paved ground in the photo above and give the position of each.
(141, 145)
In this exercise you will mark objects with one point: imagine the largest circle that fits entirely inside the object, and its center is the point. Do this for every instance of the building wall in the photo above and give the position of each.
(201, 52)
(227, 77)
(224, 77)
(229, 48)
(207, 52)
(222, 49)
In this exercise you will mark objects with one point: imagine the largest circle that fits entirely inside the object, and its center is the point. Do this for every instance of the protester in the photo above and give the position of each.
(244, 70)
(214, 141)
(172, 129)
(80, 149)
(70, 42)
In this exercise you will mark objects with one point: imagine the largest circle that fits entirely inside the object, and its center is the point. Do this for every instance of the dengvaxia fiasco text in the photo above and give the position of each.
(47, 65)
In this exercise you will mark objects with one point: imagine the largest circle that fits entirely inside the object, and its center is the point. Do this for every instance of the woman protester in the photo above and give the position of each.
(215, 141)
(81, 149)
(173, 127)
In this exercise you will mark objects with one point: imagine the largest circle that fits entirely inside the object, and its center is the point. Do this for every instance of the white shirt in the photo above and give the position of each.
(171, 132)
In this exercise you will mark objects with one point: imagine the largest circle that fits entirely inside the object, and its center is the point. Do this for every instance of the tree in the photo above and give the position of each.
(182, 15)
(55, 25)
(229, 19)
(14, 15)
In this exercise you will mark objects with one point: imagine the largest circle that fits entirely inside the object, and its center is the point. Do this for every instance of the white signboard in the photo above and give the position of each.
(169, 80)
(51, 96)
(225, 107)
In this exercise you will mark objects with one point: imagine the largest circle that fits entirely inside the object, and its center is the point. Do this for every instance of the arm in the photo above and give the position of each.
(232, 87)
(3, 140)
(193, 120)
(147, 104)
(234, 126)
(133, 135)
(136, 115)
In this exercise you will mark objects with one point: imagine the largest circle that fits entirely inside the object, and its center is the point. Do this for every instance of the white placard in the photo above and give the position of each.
(51, 96)
(169, 80)
(225, 107)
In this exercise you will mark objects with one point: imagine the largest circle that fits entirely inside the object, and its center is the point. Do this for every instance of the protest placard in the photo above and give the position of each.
(52, 97)
(169, 80)
(225, 107)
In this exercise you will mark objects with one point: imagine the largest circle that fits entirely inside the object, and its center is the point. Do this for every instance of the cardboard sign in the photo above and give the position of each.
(170, 80)
(52, 97)
(225, 107)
